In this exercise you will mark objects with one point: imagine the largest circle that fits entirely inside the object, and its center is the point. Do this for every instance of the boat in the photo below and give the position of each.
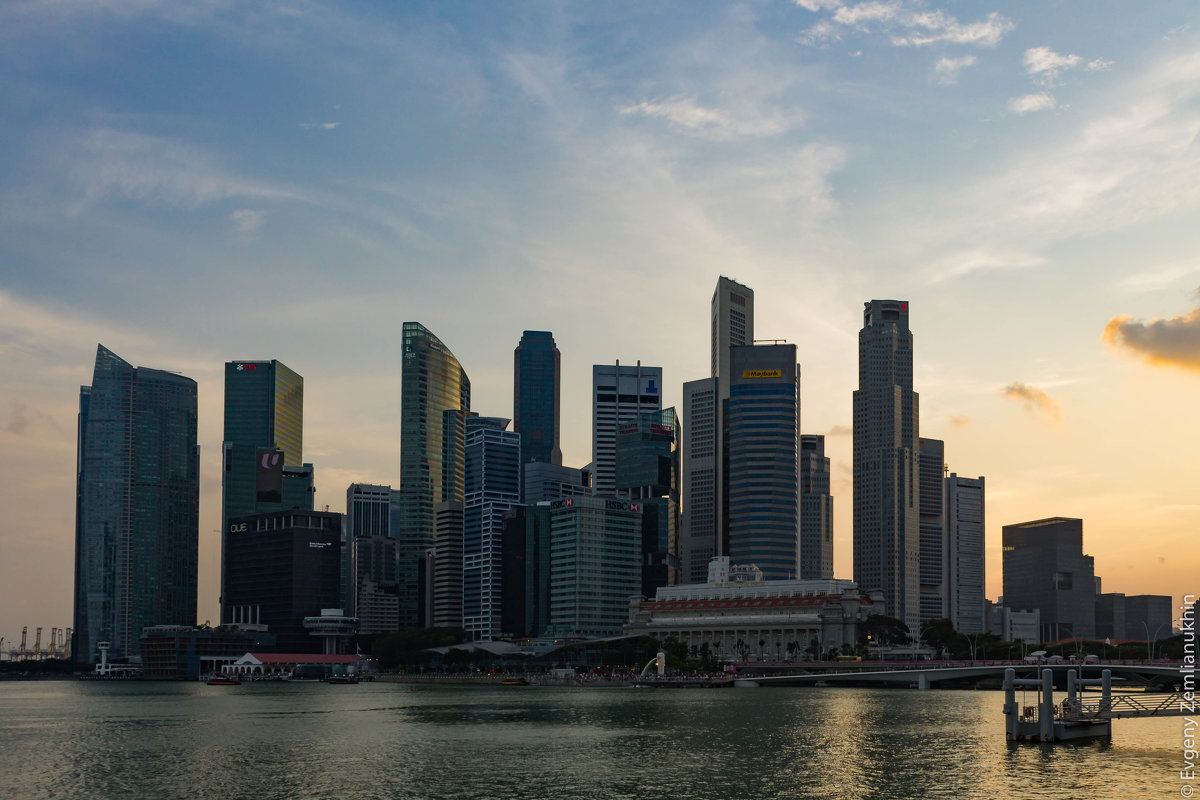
(223, 680)
(341, 679)
(514, 682)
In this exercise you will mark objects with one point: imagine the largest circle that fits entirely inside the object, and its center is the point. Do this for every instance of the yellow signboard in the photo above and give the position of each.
(762, 373)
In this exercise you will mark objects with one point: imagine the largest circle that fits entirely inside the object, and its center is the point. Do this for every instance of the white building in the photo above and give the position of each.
(619, 394)
(739, 615)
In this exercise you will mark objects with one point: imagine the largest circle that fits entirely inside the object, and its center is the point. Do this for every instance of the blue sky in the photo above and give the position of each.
(191, 183)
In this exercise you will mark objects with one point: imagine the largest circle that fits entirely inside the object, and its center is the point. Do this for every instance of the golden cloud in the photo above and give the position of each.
(1171, 342)
(1034, 398)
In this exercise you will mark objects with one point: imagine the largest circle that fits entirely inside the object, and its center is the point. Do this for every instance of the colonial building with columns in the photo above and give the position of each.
(740, 616)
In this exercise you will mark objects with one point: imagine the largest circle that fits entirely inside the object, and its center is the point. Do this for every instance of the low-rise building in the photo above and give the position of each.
(737, 614)
(186, 652)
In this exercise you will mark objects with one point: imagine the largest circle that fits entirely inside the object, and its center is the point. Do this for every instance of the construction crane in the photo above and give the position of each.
(67, 644)
(37, 644)
(24, 634)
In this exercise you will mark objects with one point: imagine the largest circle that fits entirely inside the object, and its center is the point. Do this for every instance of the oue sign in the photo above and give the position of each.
(238, 528)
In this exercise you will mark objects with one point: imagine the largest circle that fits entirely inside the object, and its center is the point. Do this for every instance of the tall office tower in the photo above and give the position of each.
(446, 605)
(525, 606)
(1110, 616)
(647, 470)
(763, 459)
(536, 397)
(281, 567)
(367, 510)
(595, 565)
(705, 405)
(553, 482)
(431, 383)
(1045, 569)
(1149, 616)
(137, 505)
(887, 545)
(816, 510)
(702, 490)
(619, 394)
(963, 549)
(934, 557)
(492, 486)
(373, 566)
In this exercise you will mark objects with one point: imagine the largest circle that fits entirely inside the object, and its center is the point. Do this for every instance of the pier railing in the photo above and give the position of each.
(1123, 706)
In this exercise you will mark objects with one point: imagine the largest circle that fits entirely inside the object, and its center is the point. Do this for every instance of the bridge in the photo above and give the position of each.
(922, 676)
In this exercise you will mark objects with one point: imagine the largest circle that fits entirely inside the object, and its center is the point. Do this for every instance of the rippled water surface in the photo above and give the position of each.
(379, 740)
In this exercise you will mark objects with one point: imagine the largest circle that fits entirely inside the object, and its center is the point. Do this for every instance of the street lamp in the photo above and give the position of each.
(1148, 637)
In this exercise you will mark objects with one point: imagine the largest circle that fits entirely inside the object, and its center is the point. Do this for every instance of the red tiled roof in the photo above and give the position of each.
(304, 658)
(759, 602)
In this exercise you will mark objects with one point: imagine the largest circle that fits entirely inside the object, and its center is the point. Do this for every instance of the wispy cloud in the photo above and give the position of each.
(1043, 61)
(1160, 278)
(1173, 342)
(1024, 104)
(328, 126)
(839, 430)
(1034, 399)
(960, 421)
(903, 26)
(686, 114)
(946, 70)
(961, 264)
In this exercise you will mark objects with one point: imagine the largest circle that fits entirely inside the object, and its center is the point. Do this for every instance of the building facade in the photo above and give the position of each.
(934, 558)
(543, 482)
(432, 383)
(281, 567)
(648, 471)
(703, 490)
(137, 506)
(619, 394)
(964, 552)
(887, 547)
(736, 615)
(1046, 569)
(492, 486)
(816, 510)
(537, 397)
(763, 459)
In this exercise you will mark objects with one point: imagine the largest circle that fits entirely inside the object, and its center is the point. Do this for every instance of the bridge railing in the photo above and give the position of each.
(1129, 705)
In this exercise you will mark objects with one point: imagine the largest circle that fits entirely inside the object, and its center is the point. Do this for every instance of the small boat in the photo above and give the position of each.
(514, 682)
(223, 680)
(341, 679)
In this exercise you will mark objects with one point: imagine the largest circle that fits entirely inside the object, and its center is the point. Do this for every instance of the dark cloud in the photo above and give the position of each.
(1034, 398)
(839, 430)
(1171, 342)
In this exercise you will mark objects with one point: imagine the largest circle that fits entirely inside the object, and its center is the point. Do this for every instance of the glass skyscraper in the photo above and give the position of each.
(536, 397)
(763, 455)
(492, 484)
(137, 505)
(431, 383)
(816, 510)
(647, 470)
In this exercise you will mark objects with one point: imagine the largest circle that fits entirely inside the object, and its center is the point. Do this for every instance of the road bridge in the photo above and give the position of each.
(926, 676)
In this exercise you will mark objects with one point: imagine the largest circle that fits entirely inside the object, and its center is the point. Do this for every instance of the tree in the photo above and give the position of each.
(880, 630)
(938, 634)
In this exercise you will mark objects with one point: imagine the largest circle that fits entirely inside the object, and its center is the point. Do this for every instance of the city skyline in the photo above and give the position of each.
(1028, 185)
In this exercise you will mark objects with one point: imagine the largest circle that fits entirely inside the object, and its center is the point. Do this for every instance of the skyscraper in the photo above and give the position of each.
(887, 548)
(648, 471)
(492, 485)
(137, 505)
(816, 510)
(619, 394)
(963, 551)
(263, 453)
(705, 406)
(763, 459)
(432, 382)
(934, 556)
(1046, 569)
(536, 397)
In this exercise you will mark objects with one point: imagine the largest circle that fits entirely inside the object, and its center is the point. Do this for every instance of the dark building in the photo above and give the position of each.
(525, 609)
(432, 383)
(1045, 569)
(184, 652)
(137, 506)
(887, 546)
(1148, 616)
(1110, 616)
(931, 477)
(763, 459)
(647, 469)
(373, 565)
(537, 396)
(281, 567)
(816, 510)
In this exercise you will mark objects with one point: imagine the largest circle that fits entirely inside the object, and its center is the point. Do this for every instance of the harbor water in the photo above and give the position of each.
(68, 739)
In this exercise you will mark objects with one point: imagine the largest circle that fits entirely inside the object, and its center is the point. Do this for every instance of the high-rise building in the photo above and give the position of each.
(281, 567)
(368, 509)
(595, 565)
(1046, 569)
(705, 406)
(492, 486)
(934, 557)
(432, 383)
(887, 547)
(1148, 616)
(373, 567)
(137, 505)
(543, 481)
(648, 471)
(963, 551)
(1110, 616)
(763, 459)
(702, 488)
(619, 394)
(263, 454)
(526, 571)
(816, 510)
(536, 397)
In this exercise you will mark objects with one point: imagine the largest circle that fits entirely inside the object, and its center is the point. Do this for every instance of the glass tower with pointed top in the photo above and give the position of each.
(536, 397)
(431, 383)
(137, 505)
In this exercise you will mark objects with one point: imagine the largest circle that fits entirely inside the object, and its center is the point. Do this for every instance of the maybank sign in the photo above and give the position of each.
(762, 373)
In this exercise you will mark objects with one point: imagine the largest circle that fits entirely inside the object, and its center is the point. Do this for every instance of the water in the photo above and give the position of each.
(376, 740)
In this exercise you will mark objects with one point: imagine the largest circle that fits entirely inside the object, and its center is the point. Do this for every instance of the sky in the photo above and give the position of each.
(193, 183)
